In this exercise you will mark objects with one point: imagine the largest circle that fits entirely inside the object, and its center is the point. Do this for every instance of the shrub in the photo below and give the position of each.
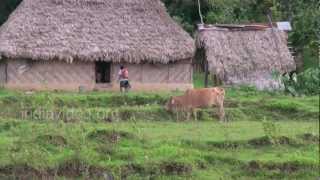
(270, 129)
(305, 83)
(308, 82)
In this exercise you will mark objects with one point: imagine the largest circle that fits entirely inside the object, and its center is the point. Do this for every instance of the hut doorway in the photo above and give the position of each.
(3, 73)
(201, 66)
(103, 72)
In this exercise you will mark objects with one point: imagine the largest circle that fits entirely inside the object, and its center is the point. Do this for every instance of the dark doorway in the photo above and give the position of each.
(3, 73)
(103, 72)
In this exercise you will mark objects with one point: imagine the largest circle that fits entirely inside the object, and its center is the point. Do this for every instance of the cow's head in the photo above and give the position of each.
(170, 104)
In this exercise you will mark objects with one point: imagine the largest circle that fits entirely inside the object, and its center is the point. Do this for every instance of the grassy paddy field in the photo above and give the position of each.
(108, 135)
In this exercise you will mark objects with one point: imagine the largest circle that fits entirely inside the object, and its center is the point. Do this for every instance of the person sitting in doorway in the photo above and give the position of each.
(123, 76)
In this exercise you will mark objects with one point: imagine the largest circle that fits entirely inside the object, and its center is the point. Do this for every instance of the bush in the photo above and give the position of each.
(305, 83)
(308, 82)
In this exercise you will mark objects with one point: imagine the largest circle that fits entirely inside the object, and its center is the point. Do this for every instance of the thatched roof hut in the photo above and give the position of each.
(246, 54)
(66, 44)
(110, 30)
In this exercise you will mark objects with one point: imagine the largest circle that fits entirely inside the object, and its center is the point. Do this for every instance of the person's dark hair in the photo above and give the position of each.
(121, 67)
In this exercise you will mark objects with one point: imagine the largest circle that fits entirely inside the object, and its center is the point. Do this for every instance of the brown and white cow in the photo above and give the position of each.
(198, 98)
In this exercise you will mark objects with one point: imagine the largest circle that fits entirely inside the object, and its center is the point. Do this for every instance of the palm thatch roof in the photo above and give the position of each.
(132, 31)
(246, 56)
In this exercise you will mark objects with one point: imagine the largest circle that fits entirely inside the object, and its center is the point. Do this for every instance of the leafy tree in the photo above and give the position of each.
(305, 18)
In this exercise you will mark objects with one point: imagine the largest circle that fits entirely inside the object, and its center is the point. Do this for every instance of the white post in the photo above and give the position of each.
(200, 14)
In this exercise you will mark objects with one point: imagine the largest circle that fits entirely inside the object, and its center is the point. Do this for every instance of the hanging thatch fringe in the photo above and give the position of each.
(239, 57)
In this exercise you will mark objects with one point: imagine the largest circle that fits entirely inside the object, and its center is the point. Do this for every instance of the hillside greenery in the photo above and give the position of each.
(95, 135)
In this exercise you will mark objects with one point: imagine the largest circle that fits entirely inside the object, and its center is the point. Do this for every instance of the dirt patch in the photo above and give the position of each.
(56, 140)
(129, 169)
(254, 166)
(284, 140)
(176, 168)
(225, 144)
(287, 167)
(108, 119)
(309, 137)
(265, 141)
(76, 168)
(111, 136)
(257, 142)
(71, 169)
(155, 170)
(202, 164)
(284, 167)
(22, 172)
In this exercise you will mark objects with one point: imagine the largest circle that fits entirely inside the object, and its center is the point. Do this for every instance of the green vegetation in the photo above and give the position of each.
(305, 83)
(268, 136)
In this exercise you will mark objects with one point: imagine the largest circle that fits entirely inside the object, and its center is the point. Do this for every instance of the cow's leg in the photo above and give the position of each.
(195, 115)
(177, 115)
(180, 115)
(188, 115)
(189, 112)
(221, 112)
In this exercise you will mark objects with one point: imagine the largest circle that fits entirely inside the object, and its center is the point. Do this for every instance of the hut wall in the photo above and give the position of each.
(3, 73)
(157, 73)
(157, 76)
(262, 80)
(59, 75)
(42, 75)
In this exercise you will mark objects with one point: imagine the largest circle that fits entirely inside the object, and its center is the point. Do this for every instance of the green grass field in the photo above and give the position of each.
(99, 135)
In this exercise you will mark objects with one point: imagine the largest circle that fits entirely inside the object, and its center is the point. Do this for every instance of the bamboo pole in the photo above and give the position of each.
(200, 14)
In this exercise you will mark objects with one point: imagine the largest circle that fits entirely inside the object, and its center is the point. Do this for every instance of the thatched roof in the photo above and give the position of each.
(110, 30)
(240, 56)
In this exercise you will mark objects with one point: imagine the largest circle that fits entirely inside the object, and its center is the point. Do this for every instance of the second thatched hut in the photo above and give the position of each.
(245, 54)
